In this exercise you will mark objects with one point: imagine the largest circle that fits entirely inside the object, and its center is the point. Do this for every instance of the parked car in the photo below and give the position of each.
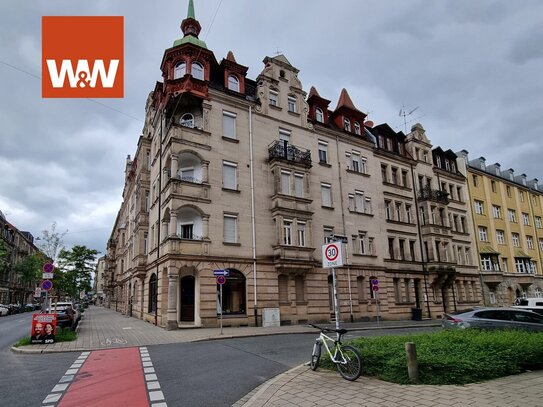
(3, 310)
(494, 318)
(532, 304)
(67, 315)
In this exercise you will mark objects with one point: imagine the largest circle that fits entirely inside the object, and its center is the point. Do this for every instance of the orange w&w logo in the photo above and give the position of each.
(82, 57)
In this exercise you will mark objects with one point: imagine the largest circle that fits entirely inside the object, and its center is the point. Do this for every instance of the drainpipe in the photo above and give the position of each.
(159, 208)
(344, 232)
(253, 225)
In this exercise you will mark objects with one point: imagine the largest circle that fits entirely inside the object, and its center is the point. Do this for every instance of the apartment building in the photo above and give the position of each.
(254, 176)
(507, 212)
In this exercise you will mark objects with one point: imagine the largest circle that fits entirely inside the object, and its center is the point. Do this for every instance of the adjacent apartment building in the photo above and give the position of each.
(254, 176)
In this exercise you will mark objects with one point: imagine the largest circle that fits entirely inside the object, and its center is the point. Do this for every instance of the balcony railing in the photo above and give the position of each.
(282, 150)
(429, 194)
(189, 236)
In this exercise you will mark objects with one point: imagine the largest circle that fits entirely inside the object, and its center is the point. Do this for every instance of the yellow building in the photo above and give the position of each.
(506, 212)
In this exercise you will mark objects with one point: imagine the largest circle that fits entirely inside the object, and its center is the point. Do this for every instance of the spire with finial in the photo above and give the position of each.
(191, 26)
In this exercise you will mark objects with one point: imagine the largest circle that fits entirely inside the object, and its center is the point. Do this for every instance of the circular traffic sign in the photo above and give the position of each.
(331, 252)
(221, 280)
(375, 288)
(48, 268)
(46, 285)
(374, 281)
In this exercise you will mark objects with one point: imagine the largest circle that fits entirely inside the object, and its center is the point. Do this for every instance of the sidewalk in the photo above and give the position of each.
(102, 328)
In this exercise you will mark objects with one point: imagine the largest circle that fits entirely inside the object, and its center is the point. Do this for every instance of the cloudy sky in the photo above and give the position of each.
(473, 69)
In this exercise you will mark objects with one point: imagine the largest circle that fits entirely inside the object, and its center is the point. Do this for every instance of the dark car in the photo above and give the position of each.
(494, 318)
(67, 315)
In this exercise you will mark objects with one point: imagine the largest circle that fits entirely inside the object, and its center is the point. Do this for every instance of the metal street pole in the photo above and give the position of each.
(220, 290)
(336, 305)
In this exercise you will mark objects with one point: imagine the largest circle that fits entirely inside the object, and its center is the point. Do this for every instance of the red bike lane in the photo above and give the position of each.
(108, 378)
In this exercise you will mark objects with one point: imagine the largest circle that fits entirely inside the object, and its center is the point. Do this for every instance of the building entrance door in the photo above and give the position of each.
(187, 299)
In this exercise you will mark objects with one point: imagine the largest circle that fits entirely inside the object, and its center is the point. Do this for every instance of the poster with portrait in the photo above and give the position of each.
(43, 328)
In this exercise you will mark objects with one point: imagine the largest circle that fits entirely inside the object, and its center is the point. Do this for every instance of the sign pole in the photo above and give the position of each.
(221, 304)
(336, 305)
(378, 307)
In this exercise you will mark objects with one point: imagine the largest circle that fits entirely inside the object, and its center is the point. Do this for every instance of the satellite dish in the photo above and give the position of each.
(368, 123)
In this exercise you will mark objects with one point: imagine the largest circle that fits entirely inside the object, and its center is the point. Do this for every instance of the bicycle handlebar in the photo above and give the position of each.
(339, 331)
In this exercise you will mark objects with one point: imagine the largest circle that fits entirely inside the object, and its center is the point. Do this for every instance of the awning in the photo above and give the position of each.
(487, 249)
(521, 255)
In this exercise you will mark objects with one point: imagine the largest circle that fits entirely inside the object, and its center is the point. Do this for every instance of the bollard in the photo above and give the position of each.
(412, 364)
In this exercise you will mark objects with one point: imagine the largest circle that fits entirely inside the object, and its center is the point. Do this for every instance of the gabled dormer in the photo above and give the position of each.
(387, 139)
(318, 107)
(234, 74)
(509, 174)
(444, 160)
(186, 66)
(521, 179)
(346, 116)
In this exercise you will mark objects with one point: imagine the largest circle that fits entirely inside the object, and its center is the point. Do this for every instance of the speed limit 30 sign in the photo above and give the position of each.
(332, 255)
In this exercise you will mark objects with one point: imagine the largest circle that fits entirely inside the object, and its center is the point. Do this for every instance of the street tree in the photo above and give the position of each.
(51, 242)
(30, 268)
(76, 267)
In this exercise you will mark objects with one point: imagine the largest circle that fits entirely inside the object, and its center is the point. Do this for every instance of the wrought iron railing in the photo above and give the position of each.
(436, 195)
(281, 149)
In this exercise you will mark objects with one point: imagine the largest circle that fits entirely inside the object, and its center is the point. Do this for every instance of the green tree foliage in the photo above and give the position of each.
(4, 257)
(51, 242)
(30, 268)
(76, 267)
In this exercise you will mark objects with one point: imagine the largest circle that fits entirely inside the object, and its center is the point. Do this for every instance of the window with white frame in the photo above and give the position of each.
(515, 239)
(292, 104)
(229, 170)
(323, 152)
(328, 234)
(479, 207)
(346, 124)
(273, 98)
(319, 115)
(285, 182)
(287, 232)
(367, 205)
(538, 222)
(525, 219)
(299, 185)
(233, 83)
(529, 242)
(483, 236)
(520, 266)
(229, 124)
(541, 244)
(486, 263)
(357, 128)
(197, 71)
(187, 120)
(230, 228)
(326, 194)
(180, 70)
(538, 293)
(497, 211)
(362, 243)
(407, 217)
(355, 161)
(301, 233)
(500, 236)
(284, 135)
(512, 215)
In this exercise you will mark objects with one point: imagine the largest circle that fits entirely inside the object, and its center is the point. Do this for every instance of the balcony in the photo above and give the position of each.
(189, 135)
(293, 259)
(435, 195)
(187, 189)
(283, 151)
(196, 245)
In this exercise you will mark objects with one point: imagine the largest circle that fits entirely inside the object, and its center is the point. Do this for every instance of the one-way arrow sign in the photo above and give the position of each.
(225, 273)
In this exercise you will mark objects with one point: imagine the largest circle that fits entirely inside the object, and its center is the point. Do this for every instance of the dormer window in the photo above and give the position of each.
(180, 70)
(438, 161)
(447, 165)
(453, 166)
(511, 178)
(233, 83)
(319, 115)
(187, 120)
(292, 104)
(197, 71)
(346, 124)
(357, 128)
(482, 165)
(498, 171)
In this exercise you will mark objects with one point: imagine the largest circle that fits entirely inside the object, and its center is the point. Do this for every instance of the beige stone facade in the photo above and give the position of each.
(254, 177)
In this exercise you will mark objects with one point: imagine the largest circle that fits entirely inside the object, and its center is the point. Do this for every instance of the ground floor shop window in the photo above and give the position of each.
(233, 294)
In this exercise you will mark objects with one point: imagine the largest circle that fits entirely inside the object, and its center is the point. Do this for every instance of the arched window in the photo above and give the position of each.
(319, 115)
(197, 71)
(233, 83)
(357, 128)
(153, 293)
(187, 120)
(346, 124)
(180, 70)
(233, 294)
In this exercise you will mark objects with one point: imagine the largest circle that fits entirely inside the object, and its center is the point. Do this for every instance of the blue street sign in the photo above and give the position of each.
(224, 273)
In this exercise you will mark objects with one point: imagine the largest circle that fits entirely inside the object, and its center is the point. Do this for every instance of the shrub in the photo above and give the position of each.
(452, 357)
(61, 335)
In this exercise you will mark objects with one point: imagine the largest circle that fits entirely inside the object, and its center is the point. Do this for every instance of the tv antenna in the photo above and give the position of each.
(277, 52)
(404, 113)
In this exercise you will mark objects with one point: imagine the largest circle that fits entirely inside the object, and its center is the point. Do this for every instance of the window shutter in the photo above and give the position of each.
(230, 229)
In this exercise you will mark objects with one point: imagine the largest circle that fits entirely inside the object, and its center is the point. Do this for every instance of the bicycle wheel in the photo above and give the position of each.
(315, 356)
(351, 367)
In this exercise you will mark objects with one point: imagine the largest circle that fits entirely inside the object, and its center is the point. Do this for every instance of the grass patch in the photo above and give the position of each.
(62, 335)
(451, 356)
